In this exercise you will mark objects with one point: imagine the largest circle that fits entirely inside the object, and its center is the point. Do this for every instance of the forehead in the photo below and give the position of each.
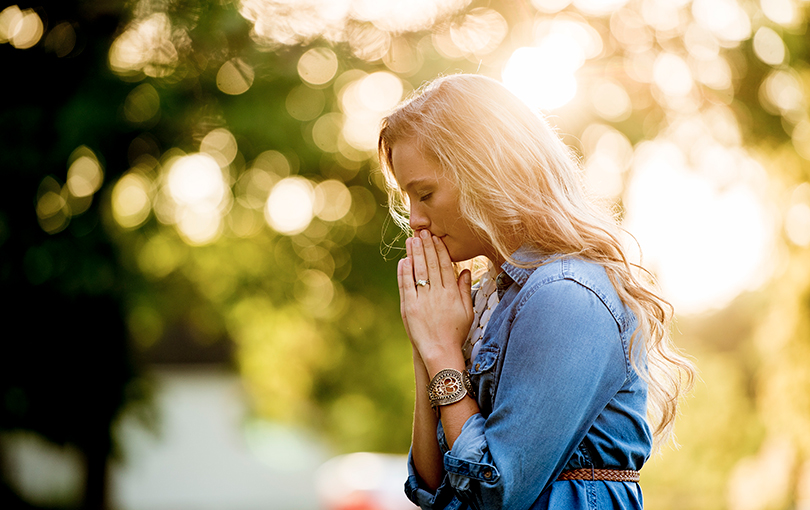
(411, 166)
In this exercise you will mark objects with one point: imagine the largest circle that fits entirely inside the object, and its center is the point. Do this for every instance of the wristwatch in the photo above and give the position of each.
(448, 386)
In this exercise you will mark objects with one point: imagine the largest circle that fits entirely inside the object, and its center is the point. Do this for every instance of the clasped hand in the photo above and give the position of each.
(437, 316)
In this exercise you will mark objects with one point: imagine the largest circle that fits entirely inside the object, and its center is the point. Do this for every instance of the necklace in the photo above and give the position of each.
(486, 299)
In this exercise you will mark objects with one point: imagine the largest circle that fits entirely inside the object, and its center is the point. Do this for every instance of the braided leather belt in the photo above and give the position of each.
(609, 475)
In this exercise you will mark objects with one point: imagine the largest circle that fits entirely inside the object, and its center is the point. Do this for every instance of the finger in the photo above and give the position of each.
(408, 247)
(465, 288)
(432, 259)
(402, 277)
(445, 263)
(420, 271)
(407, 279)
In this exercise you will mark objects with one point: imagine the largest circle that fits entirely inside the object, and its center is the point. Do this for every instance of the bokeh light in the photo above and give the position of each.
(305, 103)
(52, 208)
(783, 12)
(61, 39)
(10, 17)
(782, 93)
(478, 33)
(769, 47)
(543, 75)
(708, 241)
(672, 75)
(235, 77)
(797, 219)
(289, 208)
(550, 6)
(610, 100)
(142, 104)
(221, 145)
(196, 185)
(196, 179)
(131, 203)
(608, 154)
(314, 290)
(326, 130)
(599, 7)
(801, 139)
(332, 200)
(318, 66)
(146, 46)
(715, 73)
(365, 101)
(85, 174)
(726, 19)
(22, 28)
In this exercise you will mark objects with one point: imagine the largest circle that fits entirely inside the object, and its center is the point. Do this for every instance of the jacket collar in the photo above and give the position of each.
(528, 256)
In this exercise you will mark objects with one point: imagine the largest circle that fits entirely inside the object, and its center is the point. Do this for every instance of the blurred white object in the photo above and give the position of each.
(207, 455)
(364, 481)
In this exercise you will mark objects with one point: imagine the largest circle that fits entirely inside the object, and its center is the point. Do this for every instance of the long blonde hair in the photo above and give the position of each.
(517, 180)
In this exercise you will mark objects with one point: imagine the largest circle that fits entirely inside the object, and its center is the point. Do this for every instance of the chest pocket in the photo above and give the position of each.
(483, 377)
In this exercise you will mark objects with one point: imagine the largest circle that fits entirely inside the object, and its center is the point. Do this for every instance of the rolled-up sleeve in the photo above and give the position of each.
(444, 497)
(563, 361)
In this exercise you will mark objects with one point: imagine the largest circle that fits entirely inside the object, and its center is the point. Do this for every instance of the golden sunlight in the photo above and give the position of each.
(289, 208)
(707, 237)
(22, 28)
(196, 185)
(784, 12)
(130, 200)
(543, 75)
(724, 18)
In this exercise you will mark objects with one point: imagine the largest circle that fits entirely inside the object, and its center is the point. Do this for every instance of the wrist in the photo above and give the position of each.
(440, 360)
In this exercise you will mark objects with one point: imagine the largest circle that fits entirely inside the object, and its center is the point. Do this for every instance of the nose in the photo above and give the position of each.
(418, 220)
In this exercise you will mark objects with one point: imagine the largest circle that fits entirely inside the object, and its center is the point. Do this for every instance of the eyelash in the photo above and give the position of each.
(425, 197)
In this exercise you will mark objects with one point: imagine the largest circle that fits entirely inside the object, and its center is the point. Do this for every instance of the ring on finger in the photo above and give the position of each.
(422, 283)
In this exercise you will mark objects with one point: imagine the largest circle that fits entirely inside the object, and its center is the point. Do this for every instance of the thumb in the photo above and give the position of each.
(465, 288)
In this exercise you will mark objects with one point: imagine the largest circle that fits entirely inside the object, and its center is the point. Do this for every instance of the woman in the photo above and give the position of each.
(539, 384)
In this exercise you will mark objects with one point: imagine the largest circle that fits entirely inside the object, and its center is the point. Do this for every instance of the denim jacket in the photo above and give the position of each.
(556, 391)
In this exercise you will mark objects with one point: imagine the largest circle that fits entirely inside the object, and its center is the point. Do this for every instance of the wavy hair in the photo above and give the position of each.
(518, 181)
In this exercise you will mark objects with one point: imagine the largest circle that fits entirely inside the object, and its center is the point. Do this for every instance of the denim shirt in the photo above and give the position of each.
(556, 391)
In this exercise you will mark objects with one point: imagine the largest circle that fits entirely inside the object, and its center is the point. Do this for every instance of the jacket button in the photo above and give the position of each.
(478, 366)
(487, 474)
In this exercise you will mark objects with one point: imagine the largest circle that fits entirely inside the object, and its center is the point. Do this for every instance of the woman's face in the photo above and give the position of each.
(434, 203)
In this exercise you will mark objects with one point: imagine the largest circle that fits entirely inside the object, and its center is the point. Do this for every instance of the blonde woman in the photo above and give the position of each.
(548, 384)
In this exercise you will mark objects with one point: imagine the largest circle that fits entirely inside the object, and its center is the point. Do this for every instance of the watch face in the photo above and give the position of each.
(447, 387)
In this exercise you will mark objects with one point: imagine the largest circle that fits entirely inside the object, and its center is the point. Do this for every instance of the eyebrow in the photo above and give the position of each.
(418, 182)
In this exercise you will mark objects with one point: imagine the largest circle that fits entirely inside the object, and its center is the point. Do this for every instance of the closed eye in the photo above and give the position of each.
(425, 197)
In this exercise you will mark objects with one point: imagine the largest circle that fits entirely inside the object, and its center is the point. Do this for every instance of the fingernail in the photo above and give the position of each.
(425, 234)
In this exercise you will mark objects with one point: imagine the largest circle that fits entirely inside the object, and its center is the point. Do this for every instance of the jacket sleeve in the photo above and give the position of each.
(563, 362)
